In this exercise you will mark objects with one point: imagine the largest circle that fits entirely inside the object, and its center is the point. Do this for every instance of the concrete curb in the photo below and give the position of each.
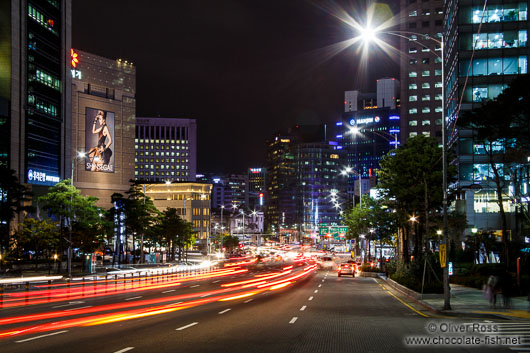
(415, 296)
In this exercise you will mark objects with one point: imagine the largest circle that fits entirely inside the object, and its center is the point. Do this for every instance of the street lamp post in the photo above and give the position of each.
(370, 34)
(347, 171)
(69, 264)
(222, 208)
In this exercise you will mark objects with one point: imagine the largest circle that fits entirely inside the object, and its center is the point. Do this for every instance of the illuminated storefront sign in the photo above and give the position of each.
(255, 170)
(363, 121)
(38, 177)
(76, 74)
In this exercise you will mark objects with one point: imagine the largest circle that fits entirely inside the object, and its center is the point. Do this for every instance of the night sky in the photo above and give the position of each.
(244, 69)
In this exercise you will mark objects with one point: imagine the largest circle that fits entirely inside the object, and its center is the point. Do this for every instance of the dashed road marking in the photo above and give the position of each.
(310, 298)
(133, 298)
(316, 291)
(202, 296)
(319, 285)
(169, 291)
(293, 320)
(303, 308)
(187, 326)
(124, 350)
(81, 307)
(224, 311)
(195, 286)
(41, 336)
(216, 281)
(248, 301)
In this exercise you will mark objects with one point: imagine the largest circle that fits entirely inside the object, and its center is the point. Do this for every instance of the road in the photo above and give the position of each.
(318, 313)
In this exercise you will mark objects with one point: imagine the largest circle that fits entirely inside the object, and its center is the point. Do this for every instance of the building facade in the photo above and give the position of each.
(35, 95)
(103, 121)
(421, 23)
(191, 200)
(166, 149)
(302, 180)
(368, 130)
(256, 188)
(479, 64)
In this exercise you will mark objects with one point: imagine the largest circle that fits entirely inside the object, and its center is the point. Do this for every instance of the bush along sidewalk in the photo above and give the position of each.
(422, 272)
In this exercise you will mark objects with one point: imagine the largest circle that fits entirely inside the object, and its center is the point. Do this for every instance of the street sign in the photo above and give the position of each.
(443, 256)
(353, 254)
(450, 269)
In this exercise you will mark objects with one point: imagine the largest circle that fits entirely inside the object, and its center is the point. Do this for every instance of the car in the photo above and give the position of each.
(326, 262)
(346, 268)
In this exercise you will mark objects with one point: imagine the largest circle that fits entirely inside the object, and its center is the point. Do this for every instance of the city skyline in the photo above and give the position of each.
(244, 71)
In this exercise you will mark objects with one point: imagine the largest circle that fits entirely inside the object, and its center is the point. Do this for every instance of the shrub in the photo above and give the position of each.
(369, 268)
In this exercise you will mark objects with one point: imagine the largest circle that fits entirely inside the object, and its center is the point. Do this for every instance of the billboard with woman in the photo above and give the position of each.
(99, 136)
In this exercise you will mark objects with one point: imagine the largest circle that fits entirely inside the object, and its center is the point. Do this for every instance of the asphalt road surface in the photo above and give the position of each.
(316, 313)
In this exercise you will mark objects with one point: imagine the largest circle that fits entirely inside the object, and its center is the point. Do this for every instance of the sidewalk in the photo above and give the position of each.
(466, 301)
(471, 301)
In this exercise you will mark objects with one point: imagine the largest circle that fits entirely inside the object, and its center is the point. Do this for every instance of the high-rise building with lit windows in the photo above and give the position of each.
(421, 68)
(166, 149)
(35, 91)
(485, 49)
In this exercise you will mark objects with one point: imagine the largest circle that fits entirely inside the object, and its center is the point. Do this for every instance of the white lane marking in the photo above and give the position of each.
(169, 291)
(124, 350)
(69, 303)
(202, 296)
(322, 280)
(293, 320)
(303, 308)
(316, 291)
(248, 301)
(185, 327)
(320, 285)
(310, 298)
(195, 286)
(216, 281)
(81, 307)
(41, 336)
(224, 311)
(134, 298)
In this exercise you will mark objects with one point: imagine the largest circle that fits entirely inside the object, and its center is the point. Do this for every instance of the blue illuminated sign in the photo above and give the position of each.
(39, 177)
(339, 123)
(352, 122)
(339, 136)
(393, 117)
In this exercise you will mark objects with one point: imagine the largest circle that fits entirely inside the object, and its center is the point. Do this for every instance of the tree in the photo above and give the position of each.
(230, 242)
(411, 180)
(64, 203)
(13, 197)
(502, 128)
(172, 227)
(39, 236)
(374, 220)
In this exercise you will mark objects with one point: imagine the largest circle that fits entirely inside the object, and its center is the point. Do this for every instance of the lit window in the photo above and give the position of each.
(425, 122)
(413, 13)
(413, 123)
(425, 50)
(425, 73)
(413, 134)
(437, 60)
(425, 85)
(413, 110)
(413, 61)
(413, 98)
(413, 50)
(438, 97)
(426, 12)
(437, 72)
(425, 60)
(426, 97)
(413, 86)
(413, 74)
(438, 121)
(425, 110)
(438, 85)
(426, 133)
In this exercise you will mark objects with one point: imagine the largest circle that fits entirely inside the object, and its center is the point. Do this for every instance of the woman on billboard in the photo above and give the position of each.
(100, 154)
